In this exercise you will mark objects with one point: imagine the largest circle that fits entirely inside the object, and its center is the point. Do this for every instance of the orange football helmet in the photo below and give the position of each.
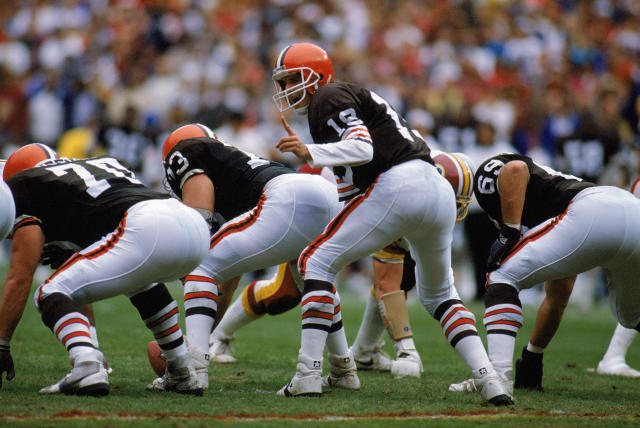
(27, 157)
(192, 130)
(458, 169)
(314, 67)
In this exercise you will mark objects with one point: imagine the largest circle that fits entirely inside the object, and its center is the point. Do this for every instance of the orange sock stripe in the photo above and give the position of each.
(241, 225)
(74, 334)
(503, 311)
(167, 332)
(451, 314)
(71, 321)
(201, 294)
(459, 323)
(199, 279)
(336, 310)
(163, 318)
(317, 314)
(320, 299)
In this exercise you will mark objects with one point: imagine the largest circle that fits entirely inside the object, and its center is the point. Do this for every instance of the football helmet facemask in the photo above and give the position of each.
(27, 157)
(314, 68)
(458, 169)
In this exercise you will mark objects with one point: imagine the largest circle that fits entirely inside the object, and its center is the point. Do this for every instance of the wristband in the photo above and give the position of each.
(4, 344)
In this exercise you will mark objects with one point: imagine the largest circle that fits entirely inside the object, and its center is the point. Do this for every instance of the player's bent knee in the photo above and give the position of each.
(55, 306)
(501, 293)
(281, 304)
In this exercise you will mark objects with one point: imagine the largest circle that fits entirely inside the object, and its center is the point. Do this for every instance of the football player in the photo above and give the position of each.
(528, 372)
(386, 306)
(393, 272)
(394, 190)
(130, 237)
(272, 213)
(552, 227)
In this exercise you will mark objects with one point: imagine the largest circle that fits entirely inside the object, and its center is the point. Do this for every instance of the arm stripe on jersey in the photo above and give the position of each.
(31, 221)
(241, 225)
(333, 227)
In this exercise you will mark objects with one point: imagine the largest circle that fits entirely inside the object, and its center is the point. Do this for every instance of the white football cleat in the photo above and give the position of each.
(407, 363)
(616, 368)
(343, 372)
(201, 365)
(373, 359)
(307, 382)
(490, 385)
(468, 385)
(220, 350)
(88, 377)
(495, 388)
(180, 376)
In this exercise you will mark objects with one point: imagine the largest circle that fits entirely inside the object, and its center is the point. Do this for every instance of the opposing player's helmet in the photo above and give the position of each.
(192, 130)
(27, 157)
(458, 169)
(313, 65)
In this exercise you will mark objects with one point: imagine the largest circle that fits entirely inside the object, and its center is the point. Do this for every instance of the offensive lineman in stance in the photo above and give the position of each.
(130, 237)
(569, 226)
(395, 191)
(272, 214)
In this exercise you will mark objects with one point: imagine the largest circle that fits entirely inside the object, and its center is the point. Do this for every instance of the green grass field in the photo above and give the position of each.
(244, 393)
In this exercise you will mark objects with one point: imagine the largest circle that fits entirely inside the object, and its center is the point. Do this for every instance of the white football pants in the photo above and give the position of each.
(601, 227)
(410, 200)
(157, 240)
(293, 210)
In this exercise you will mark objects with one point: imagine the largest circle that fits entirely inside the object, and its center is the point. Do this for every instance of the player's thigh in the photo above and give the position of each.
(151, 244)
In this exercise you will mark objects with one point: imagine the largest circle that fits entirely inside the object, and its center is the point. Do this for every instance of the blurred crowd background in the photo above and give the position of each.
(558, 80)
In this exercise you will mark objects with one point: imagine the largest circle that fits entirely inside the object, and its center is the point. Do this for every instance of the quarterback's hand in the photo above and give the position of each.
(508, 237)
(55, 256)
(291, 143)
(6, 364)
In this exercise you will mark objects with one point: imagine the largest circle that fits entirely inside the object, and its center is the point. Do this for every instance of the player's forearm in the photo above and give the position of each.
(12, 303)
(349, 152)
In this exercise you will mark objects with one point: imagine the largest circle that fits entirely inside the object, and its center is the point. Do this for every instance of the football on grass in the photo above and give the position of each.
(156, 359)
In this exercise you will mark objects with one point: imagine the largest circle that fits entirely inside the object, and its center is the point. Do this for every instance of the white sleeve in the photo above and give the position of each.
(342, 153)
